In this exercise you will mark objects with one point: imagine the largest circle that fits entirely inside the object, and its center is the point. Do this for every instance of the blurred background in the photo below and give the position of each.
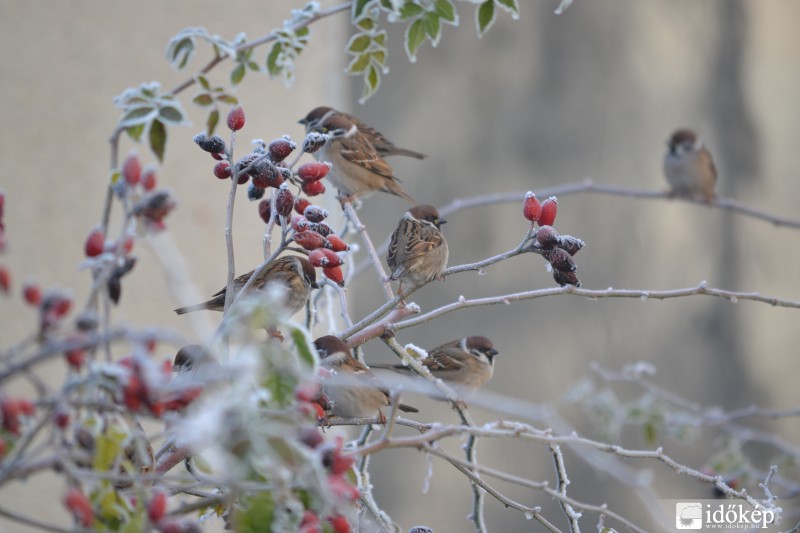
(537, 102)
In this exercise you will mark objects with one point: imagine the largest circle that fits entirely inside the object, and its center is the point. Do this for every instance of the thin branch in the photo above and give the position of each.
(229, 228)
(373, 255)
(644, 295)
(562, 482)
(36, 523)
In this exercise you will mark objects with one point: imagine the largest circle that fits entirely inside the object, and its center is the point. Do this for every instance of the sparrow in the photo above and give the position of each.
(294, 272)
(357, 170)
(382, 145)
(688, 167)
(418, 250)
(352, 388)
(466, 363)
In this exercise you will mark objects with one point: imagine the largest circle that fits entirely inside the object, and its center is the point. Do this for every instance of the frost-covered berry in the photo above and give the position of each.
(265, 174)
(547, 237)
(313, 188)
(95, 243)
(279, 149)
(284, 201)
(222, 170)
(313, 171)
(336, 244)
(254, 193)
(309, 240)
(560, 260)
(236, 118)
(264, 210)
(571, 244)
(323, 257)
(549, 210)
(531, 208)
(566, 278)
(300, 205)
(149, 179)
(132, 169)
(212, 145)
(32, 293)
(334, 274)
(314, 213)
(314, 141)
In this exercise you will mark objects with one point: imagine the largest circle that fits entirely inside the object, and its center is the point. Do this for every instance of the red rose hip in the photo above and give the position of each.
(531, 208)
(549, 210)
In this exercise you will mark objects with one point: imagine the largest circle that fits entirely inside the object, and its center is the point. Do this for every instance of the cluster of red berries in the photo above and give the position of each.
(146, 387)
(152, 205)
(556, 249)
(13, 410)
(53, 305)
(264, 168)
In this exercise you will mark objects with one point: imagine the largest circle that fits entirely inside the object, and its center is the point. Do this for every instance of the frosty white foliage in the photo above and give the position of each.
(563, 6)
(639, 370)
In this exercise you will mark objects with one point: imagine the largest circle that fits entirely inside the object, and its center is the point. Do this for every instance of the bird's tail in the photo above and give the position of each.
(406, 152)
(191, 308)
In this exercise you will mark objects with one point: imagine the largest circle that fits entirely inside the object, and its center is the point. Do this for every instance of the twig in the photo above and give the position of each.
(350, 212)
(562, 482)
(229, 228)
(36, 523)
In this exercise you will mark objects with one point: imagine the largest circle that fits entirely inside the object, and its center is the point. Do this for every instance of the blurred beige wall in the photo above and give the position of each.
(537, 102)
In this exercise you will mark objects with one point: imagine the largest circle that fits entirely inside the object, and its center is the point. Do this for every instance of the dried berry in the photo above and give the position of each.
(75, 357)
(222, 170)
(279, 149)
(265, 174)
(531, 208)
(321, 228)
(571, 244)
(132, 169)
(336, 244)
(95, 243)
(314, 171)
(334, 274)
(236, 118)
(212, 145)
(254, 193)
(314, 141)
(244, 164)
(339, 524)
(315, 213)
(300, 205)
(566, 278)
(299, 223)
(549, 210)
(547, 237)
(560, 260)
(310, 240)
(284, 201)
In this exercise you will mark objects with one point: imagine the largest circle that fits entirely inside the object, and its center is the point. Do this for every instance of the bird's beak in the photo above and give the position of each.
(314, 285)
(302, 121)
(492, 352)
(441, 221)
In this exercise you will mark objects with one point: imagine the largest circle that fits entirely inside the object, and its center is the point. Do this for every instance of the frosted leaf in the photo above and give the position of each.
(481, 272)
(734, 300)
(562, 6)
(528, 515)
(703, 284)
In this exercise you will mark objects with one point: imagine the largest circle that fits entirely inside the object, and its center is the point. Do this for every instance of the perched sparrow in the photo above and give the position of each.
(418, 250)
(295, 272)
(466, 364)
(382, 145)
(353, 389)
(688, 167)
(358, 169)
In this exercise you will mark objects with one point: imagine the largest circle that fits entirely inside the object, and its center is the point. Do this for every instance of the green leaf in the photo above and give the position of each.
(158, 139)
(415, 35)
(373, 78)
(272, 59)
(256, 514)
(303, 347)
(358, 64)
(509, 5)
(380, 38)
(358, 8)
(170, 115)
(228, 99)
(212, 121)
(237, 74)
(366, 24)
(203, 100)
(358, 43)
(136, 116)
(305, 31)
(446, 10)
(410, 10)
(108, 446)
(135, 132)
(650, 433)
(203, 82)
(379, 57)
(181, 52)
(484, 16)
(252, 65)
(432, 27)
